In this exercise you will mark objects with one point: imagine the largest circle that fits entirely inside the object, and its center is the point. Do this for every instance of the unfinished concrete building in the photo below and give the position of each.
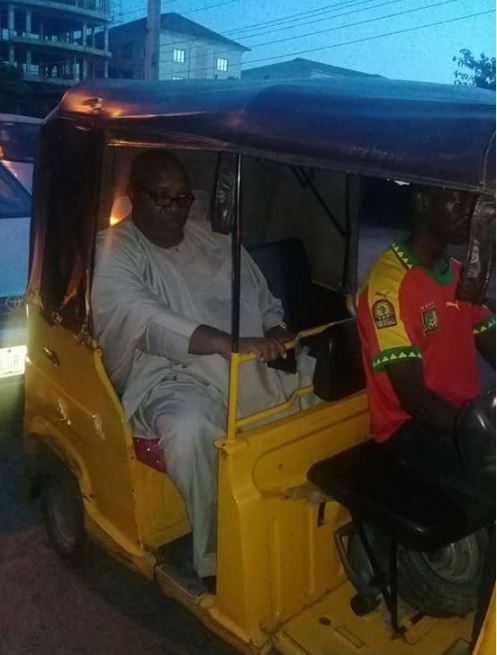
(56, 40)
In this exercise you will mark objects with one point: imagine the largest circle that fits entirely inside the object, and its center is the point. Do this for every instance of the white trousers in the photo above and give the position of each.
(188, 416)
(187, 431)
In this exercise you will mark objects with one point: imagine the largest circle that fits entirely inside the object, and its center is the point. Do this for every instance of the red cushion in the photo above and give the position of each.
(149, 452)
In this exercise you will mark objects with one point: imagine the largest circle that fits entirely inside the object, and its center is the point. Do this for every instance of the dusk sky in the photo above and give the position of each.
(381, 31)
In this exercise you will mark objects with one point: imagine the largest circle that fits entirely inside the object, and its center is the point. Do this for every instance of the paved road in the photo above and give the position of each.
(102, 609)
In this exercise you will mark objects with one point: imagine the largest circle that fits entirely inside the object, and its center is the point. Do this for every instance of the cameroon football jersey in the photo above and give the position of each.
(406, 311)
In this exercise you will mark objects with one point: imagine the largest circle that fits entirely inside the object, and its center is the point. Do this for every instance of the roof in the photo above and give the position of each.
(19, 118)
(173, 22)
(413, 131)
(300, 67)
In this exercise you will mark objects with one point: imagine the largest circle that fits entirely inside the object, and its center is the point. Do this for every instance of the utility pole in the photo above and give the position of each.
(152, 40)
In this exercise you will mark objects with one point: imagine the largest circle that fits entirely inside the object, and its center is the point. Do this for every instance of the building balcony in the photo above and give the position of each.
(96, 9)
(35, 41)
(32, 76)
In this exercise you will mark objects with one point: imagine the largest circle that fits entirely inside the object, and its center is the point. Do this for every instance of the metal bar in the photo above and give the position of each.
(351, 262)
(309, 332)
(345, 271)
(235, 424)
(231, 422)
(271, 411)
(374, 564)
(306, 181)
(394, 609)
(236, 246)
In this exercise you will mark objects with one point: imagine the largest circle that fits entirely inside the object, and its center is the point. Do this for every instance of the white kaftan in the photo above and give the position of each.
(147, 301)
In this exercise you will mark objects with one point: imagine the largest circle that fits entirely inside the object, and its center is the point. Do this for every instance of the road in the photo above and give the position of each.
(101, 609)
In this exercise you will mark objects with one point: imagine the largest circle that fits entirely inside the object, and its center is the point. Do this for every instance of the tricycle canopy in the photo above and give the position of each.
(431, 133)
(413, 132)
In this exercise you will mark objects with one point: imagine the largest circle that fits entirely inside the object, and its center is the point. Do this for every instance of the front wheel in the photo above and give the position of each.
(443, 582)
(64, 518)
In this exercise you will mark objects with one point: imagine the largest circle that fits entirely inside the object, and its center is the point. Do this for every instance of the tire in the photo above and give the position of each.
(444, 582)
(64, 517)
(439, 583)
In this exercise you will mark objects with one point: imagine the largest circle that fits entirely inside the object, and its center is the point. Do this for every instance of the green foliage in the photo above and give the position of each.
(9, 73)
(11, 80)
(18, 96)
(474, 72)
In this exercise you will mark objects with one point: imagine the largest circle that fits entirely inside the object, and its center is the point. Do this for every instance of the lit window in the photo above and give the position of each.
(222, 64)
(179, 55)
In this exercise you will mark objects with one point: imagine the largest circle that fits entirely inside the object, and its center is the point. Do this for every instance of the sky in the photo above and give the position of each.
(374, 36)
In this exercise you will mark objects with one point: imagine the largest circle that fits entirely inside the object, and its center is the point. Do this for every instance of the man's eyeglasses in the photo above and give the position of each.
(165, 201)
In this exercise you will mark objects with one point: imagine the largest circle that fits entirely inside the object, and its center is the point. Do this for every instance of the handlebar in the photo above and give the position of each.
(303, 334)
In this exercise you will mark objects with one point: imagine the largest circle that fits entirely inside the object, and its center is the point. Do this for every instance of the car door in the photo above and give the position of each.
(15, 211)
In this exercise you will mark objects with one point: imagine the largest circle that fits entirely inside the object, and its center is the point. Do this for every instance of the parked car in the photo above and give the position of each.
(18, 135)
(15, 211)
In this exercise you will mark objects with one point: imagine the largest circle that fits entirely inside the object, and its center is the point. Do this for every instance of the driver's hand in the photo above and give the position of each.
(264, 348)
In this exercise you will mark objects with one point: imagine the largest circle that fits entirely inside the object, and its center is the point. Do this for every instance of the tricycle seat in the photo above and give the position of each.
(378, 490)
(148, 452)
(286, 270)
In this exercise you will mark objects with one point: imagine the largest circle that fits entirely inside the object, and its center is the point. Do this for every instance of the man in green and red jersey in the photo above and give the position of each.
(420, 343)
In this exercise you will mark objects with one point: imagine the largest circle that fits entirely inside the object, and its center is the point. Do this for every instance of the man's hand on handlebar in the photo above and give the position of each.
(207, 340)
(265, 349)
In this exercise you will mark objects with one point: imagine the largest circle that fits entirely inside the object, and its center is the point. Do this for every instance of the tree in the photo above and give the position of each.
(474, 72)
(18, 96)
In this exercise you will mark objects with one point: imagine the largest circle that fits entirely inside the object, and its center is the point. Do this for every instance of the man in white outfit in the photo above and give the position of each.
(161, 303)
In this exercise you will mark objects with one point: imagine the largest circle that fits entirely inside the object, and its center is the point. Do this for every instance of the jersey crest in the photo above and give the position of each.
(384, 314)
(430, 320)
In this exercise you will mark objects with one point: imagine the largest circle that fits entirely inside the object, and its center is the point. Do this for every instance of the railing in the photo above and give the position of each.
(234, 424)
(102, 6)
(97, 6)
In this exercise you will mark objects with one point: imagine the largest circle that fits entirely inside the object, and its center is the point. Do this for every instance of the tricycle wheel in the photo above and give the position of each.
(443, 582)
(63, 514)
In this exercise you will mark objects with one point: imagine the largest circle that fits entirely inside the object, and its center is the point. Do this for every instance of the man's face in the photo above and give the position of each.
(161, 200)
(448, 215)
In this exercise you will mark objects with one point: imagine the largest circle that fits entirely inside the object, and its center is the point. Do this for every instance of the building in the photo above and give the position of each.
(187, 51)
(300, 68)
(56, 40)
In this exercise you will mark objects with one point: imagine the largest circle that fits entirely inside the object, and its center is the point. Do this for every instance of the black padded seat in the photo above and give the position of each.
(378, 490)
(284, 265)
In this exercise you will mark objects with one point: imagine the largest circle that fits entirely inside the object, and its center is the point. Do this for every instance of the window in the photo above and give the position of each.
(179, 56)
(222, 64)
(14, 200)
(18, 140)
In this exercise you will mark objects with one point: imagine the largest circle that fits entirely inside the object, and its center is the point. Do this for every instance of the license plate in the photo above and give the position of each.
(12, 361)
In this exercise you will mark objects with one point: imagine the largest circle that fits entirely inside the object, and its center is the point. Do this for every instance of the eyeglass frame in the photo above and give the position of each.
(156, 198)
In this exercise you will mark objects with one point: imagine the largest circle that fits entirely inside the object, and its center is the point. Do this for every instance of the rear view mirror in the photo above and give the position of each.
(223, 200)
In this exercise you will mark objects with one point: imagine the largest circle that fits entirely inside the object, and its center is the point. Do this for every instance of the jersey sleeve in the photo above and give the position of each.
(482, 319)
(389, 317)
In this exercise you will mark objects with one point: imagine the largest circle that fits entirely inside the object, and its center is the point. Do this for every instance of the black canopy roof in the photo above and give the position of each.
(437, 134)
